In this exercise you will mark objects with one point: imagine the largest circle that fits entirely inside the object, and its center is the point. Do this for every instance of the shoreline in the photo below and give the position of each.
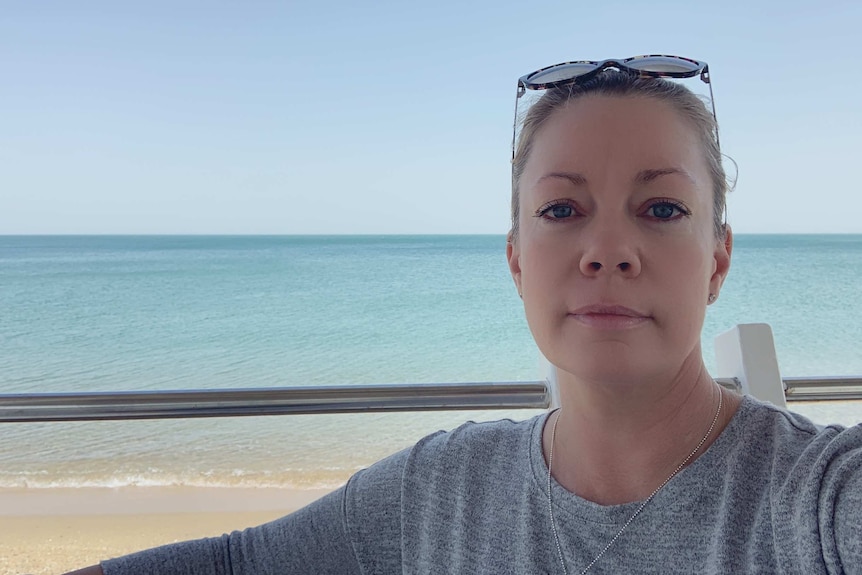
(51, 531)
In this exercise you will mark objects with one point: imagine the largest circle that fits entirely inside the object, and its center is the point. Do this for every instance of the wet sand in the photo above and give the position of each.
(51, 531)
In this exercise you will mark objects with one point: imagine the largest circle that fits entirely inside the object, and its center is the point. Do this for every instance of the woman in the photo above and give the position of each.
(617, 246)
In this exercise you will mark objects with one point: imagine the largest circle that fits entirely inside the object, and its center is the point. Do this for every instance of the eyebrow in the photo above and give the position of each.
(642, 177)
(573, 177)
(647, 176)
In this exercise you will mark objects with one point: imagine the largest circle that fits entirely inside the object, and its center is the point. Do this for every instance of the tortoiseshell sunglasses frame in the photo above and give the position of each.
(700, 68)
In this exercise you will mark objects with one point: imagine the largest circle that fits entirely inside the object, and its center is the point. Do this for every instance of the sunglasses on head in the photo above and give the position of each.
(649, 66)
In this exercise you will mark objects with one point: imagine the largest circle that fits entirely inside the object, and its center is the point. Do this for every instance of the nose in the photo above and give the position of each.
(610, 250)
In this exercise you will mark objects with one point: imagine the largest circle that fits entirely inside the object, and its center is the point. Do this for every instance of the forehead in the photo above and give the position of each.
(618, 133)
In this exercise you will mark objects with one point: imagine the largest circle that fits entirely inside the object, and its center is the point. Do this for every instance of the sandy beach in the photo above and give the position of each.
(50, 531)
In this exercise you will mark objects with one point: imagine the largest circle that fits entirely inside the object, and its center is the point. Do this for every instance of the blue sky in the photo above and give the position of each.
(386, 117)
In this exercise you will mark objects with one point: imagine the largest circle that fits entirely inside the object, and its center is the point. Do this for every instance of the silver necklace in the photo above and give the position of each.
(639, 509)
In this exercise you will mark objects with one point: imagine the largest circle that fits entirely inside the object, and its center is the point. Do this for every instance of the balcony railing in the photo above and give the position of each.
(271, 401)
(96, 406)
(823, 388)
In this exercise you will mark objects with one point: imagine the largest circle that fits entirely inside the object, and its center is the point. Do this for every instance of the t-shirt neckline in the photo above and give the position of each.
(683, 484)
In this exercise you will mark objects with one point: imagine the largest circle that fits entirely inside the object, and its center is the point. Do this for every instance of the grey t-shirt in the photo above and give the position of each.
(773, 494)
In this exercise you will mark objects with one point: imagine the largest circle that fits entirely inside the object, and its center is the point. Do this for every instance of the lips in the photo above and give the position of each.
(608, 310)
(609, 316)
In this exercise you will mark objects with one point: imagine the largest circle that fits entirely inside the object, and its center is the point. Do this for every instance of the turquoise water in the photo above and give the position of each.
(110, 313)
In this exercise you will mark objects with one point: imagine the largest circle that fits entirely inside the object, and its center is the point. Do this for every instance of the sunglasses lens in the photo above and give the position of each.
(561, 72)
(663, 64)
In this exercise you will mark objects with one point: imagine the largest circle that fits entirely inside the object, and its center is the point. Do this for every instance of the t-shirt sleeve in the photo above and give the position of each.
(313, 539)
(840, 506)
(818, 523)
(355, 529)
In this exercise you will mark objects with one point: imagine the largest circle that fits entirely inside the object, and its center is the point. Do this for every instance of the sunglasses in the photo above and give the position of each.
(650, 66)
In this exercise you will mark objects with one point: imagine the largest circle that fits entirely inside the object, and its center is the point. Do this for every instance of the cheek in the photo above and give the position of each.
(686, 276)
(541, 279)
(543, 265)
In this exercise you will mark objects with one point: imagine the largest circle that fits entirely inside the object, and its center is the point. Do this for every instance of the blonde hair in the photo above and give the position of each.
(620, 84)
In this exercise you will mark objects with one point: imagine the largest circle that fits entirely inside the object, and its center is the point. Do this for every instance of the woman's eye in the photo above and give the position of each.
(560, 212)
(556, 211)
(667, 211)
(662, 211)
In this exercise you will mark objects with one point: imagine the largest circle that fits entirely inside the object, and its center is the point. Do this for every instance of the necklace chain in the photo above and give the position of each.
(642, 505)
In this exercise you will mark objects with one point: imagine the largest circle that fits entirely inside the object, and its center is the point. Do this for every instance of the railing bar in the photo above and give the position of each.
(271, 401)
(54, 417)
(78, 406)
(852, 379)
(825, 397)
(268, 394)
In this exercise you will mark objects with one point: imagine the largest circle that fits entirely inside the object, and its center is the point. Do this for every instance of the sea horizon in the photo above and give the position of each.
(348, 235)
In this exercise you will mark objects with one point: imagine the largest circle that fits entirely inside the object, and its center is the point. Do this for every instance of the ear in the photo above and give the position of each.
(723, 250)
(513, 256)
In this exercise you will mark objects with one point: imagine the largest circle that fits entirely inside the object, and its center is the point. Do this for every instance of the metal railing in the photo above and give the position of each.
(98, 406)
(271, 401)
(823, 388)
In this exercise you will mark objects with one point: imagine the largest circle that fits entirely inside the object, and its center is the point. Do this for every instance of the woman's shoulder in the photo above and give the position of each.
(472, 454)
(802, 461)
(475, 452)
(812, 475)
(470, 444)
(765, 427)
(481, 437)
(788, 447)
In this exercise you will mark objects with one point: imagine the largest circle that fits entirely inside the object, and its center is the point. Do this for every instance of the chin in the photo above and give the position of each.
(606, 366)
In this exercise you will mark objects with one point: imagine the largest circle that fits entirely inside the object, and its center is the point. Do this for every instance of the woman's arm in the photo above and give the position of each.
(312, 540)
(354, 529)
(92, 570)
(844, 496)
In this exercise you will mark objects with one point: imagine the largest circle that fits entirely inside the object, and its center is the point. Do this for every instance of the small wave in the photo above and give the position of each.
(236, 478)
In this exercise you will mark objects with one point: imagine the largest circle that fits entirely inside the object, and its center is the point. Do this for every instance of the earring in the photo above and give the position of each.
(711, 299)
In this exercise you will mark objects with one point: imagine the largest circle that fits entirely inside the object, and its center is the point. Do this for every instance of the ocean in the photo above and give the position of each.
(87, 313)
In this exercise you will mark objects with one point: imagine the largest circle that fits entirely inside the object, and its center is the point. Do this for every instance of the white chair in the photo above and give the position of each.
(747, 352)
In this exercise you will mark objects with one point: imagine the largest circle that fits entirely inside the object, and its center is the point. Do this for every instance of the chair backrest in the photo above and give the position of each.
(747, 352)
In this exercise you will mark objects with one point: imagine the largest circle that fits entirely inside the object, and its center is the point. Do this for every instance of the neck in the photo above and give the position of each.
(616, 443)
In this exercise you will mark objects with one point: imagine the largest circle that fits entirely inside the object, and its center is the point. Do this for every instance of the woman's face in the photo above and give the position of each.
(616, 254)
